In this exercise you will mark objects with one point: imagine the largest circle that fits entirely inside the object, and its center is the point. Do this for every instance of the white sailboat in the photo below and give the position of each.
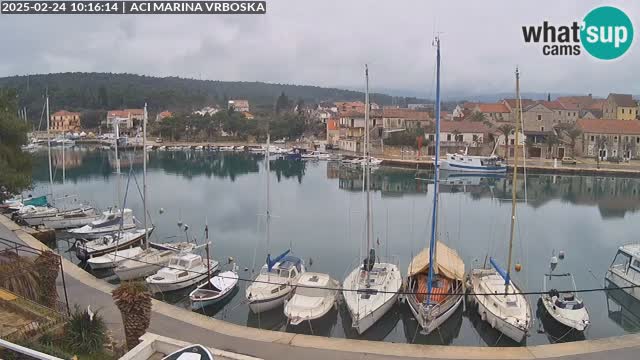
(435, 276)
(371, 289)
(277, 277)
(153, 257)
(499, 300)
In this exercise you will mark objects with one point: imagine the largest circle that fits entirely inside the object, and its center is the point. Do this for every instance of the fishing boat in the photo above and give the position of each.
(314, 296)
(112, 259)
(111, 221)
(275, 282)
(435, 276)
(371, 289)
(109, 243)
(499, 300)
(473, 163)
(214, 289)
(184, 270)
(564, 306)
(624, 271)
(191, 352)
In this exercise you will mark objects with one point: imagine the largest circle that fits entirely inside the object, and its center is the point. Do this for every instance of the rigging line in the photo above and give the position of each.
(586, 290)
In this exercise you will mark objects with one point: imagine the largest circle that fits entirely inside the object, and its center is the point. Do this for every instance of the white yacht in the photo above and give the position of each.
(564, 306)
(624, 271)
(275, 283)
(470, 163)
(499, 301)
(112, 259)
(109, 243)
(314, 296)
(371, 289)
(110, 222)
(183, 270)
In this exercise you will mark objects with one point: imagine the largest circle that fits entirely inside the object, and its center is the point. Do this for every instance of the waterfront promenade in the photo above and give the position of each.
(167, 320)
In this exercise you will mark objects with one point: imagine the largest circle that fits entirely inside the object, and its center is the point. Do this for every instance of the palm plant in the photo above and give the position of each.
(47, 265)
(506, 130)
(85, 332)
(134, 301)
(19, 275)
(477, 116)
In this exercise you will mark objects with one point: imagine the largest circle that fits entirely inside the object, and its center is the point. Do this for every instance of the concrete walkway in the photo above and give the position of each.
(168, 320)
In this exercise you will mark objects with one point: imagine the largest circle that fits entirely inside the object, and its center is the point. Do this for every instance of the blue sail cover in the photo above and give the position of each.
(500, 271)
(37, 201)
(270, 262)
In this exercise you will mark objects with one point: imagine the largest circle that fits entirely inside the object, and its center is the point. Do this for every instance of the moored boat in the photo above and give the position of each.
(112, 259)
(111, 221)
(109, 243)
(215, 289)
(314, 296)
(184, 270)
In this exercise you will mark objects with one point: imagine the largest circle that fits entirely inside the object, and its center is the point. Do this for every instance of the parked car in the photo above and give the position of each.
(568, 161)
(159, 140)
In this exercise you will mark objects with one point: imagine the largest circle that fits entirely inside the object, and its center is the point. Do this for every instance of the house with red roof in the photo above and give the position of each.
(494, 112)
(462, 133)
(127, 118)
(163, 115)
(620, 106)
(65, 121)
(608, 138)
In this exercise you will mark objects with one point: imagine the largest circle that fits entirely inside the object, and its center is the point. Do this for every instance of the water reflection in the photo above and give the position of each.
(623, 309)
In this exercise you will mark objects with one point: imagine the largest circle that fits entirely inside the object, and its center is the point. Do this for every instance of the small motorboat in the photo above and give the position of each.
(111, 221)
(183, 270)
(564, 306)
(215, 289)
(113, 259)
(191, 352)
(65, 220)
(314, 296)
(150, 260)
(109, 243)
(226, 148)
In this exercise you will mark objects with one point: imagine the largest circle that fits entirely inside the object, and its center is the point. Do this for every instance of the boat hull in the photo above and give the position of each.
(138, 272)
(429, 325)
(94, 234)
(613, 278)
(557, 315)
(201, 304)
(163, 287)
(452, 166)
(66, 223)
(83, 254)
(363, 324)
(258, 306)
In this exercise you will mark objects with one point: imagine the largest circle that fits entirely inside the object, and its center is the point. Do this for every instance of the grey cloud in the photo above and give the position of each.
(326, 43)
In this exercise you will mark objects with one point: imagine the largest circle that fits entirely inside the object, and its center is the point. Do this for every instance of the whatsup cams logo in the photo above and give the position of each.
(606, 33)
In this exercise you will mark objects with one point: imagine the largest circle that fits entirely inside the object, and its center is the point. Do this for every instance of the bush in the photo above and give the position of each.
(84, 333)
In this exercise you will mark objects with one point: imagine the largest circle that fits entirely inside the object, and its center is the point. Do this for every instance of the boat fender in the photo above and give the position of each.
(493, 322)
(483, 316)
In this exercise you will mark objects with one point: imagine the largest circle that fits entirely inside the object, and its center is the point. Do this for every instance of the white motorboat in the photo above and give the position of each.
(191, 352)
(565, 307)
(109, 243)
(624, 271)
(113, 259)
(110, 222)
(71, 219)
(226, 148)
(183, 270)
(149, 261)
(499, 301)
(371, 289)
(275, 283)
(215, 289)
(315, 155)
(199, 148)
(470, 163)
(314, 296)
(162, 148)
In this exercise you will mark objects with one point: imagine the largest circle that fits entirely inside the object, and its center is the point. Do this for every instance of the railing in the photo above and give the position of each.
(26, 351)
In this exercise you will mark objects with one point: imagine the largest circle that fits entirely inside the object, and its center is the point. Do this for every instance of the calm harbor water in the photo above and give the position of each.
(318, 210)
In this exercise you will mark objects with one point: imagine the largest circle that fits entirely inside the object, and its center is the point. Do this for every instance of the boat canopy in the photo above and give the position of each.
(37, 201)
(271, 263)
(449, 262)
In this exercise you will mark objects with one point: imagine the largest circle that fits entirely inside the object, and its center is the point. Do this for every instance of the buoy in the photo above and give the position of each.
(518, 267)
(230, 259)
(554, 260)
(561, 255)
(180, 223)
(186, 227)
(246, 269)
(161, 211)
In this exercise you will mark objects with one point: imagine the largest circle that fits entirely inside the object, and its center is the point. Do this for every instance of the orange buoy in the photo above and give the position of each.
(518, 267)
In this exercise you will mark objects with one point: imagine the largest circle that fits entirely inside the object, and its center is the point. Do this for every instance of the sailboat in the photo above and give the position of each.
(277, 276)
(371, 289)
(435, 276)
(500, 302)
(151, 258)
(111, 221)
(54, 217)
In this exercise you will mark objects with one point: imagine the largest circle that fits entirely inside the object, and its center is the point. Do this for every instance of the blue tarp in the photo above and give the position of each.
(37, 201)
(270, 262)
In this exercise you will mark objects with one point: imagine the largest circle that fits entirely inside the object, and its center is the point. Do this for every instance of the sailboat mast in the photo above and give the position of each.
(268, 208)
(63, 163)
(116, 122)
(53, 198)
(367, 157)
(144, 177)
(436, 170)
(515, 178)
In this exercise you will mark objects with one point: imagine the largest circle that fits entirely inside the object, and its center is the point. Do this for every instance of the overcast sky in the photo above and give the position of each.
(326, 43)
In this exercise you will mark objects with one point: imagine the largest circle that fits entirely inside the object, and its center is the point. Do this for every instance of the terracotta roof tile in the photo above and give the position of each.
(600, 126)
(624, 100)
(553, 105)
(406, 114)
(464, 126)
(493, 108)
(512, 103)
(65, 113)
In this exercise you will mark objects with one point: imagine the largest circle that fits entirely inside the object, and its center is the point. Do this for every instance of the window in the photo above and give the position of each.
(512, 141)
(615, 139)
(593, 138)
(448, 137)
(539, 117)
(638, 140)
(431, 137)
(541, 128)
(623, 111)
(475, 137)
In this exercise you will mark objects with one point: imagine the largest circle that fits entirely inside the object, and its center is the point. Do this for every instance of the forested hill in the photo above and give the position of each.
(104, 91)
